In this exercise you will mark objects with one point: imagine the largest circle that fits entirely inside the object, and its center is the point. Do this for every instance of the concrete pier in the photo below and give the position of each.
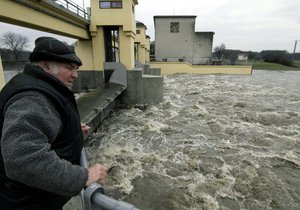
(143, 88)
(95, 106)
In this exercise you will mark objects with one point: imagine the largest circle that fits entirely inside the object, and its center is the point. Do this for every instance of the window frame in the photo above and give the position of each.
(174, 27)
(111, 4)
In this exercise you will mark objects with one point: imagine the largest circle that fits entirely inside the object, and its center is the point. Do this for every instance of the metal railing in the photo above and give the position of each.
(73, 7)
(200, 60)
(94, 197)
(193, 60)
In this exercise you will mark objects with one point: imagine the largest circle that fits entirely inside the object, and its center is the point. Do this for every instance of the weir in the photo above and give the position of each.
(95, 106)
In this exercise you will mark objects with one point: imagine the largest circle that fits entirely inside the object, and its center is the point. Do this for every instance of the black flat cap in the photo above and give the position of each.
(51, 49)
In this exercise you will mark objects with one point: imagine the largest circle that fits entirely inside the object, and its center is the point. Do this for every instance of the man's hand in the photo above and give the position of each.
(97, 173)
(85, 128)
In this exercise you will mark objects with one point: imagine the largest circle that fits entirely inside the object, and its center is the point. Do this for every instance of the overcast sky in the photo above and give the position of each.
(240, 24)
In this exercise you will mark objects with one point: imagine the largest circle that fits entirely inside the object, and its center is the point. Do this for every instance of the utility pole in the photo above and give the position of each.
(295, 46)
(294, 52)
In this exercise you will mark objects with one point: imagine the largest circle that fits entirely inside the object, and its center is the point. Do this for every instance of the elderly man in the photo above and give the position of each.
(41, 133)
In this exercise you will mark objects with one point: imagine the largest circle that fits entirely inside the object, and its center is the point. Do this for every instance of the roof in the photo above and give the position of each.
(205, 32)
(138, 23)
(173, 16)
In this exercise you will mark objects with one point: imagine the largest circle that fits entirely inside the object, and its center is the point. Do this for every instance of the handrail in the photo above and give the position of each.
(94, 197)
(73, 7)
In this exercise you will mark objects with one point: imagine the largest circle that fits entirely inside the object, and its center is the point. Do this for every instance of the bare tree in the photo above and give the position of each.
(220, 51)
(17, 43)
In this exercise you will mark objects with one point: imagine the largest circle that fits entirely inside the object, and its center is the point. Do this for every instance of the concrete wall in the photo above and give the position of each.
(142, 89)
(115, 73)
(174, 46)
(147, 56)
(151, 71)
(152, 89)
(187, 45)
(202, 47)
(12, 68)
(183, 67)
(14, 65)
(88, 80)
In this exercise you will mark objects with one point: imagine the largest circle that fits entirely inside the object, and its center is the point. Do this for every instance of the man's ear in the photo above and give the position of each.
(45, 66)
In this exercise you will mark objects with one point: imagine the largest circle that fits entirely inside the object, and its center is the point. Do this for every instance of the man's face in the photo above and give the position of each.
(65, 72)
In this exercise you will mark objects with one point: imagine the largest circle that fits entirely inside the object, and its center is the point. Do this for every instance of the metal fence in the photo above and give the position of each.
(200, 60)
(73, 7)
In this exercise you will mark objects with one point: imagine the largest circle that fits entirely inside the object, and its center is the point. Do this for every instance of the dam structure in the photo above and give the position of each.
(115, 57)
(114, 49)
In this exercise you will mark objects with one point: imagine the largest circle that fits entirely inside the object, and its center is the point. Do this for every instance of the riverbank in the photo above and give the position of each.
(261, 65)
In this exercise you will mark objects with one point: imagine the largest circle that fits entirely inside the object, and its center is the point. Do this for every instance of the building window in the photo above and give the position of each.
(110, 4)
(116, 4)
(138, 31)
(174, 27)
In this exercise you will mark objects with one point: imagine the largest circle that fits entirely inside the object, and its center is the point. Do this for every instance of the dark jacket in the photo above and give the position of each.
(39, 161)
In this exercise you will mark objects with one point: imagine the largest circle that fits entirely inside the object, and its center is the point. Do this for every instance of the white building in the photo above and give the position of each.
(242, 57)
(176, 40)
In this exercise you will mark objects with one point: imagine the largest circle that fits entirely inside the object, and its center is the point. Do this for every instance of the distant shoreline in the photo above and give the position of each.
(261, 65)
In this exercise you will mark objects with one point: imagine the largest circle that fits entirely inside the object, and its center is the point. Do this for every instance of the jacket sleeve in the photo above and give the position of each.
(30, 123)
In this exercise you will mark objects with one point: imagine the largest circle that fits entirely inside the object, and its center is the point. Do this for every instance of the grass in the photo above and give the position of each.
(261, 65)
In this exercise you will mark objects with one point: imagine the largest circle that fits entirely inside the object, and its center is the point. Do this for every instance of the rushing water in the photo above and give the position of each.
(215, 142)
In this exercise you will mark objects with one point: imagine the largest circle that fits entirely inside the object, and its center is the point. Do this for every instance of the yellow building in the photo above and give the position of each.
(141, 45)
(112, 30)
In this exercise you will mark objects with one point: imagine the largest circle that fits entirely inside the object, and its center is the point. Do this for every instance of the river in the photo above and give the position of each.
(215, 142)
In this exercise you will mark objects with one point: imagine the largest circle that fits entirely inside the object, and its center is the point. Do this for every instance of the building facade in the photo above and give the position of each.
(141, 45)
(176, 40)
(112, 29)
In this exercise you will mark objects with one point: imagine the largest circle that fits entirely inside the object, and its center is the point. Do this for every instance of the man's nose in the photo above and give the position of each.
(75, 74)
